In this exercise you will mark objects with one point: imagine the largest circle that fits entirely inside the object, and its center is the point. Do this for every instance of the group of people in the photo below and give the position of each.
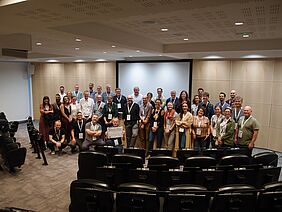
(83, 119)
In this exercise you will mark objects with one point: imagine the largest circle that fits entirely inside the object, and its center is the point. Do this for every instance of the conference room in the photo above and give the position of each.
(220, 46)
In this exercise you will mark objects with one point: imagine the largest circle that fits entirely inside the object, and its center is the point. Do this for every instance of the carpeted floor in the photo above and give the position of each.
(36, 187)
(44, 188)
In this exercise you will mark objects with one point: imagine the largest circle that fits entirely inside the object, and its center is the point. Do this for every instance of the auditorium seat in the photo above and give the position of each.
(214, 153)
(136, 151)
(235, 198)
(90, 195)
(235, 160)
(110, 151)
(137, 197)
(265, 158)
(186, 197)
(183, 154)
(267, 175)
(88, 161)
(163, 163)
(203, 162)
(127, 161)
(161, 152)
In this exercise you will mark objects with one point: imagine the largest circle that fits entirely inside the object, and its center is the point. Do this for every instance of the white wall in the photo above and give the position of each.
(14, 90)
(151, 75)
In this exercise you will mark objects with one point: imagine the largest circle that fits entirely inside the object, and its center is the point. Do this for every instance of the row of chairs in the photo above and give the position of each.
(217, 153)
(165, 171)
(91, 195)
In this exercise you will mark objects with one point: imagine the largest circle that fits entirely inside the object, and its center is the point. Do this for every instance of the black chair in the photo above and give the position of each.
(127, 161)
(235, 160)
(235, 198)
(183, 154)
(212, 180)
(187, 197)
(90, 195)
(270, 199)
(203, 162)
(163, 163)
(217, 154)
(143, 176)
(137, 152)
(161, 152)
(87, 163)
(236, 151)
(241, 176)
(265, 158)
(110, 151)
(267, 175)
(137, 197)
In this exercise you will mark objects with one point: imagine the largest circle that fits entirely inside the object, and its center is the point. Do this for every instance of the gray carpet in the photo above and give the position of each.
(44, 188)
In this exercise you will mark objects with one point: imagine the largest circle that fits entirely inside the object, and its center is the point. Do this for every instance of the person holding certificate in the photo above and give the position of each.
(157, 125)
(115, 134)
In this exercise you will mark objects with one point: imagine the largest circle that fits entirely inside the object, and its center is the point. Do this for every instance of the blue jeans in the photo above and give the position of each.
(159, 133)
(182, 140)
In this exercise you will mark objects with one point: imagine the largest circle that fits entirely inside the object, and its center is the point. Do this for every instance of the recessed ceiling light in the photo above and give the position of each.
(164, 29)
(9, 2)
(100, 60)
(105, 52)
(113, 46)
(138, 51)
(38, 44)
(78, 40)
(213, 57)
(245, 35)
(253, 56)
(239, 23)
(186, 39)
(76, 48)
(160, 55)
(78, 61)
(130, 56)
(52, 61)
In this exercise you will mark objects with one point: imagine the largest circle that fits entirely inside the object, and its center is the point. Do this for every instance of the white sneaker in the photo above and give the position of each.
(53, 153)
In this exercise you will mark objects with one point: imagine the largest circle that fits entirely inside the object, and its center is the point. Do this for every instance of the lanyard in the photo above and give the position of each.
(199, 121)
(237, 114)
(129, 109)
(172, 100)
(244, 122)
(58, 134)
(99, 106)
(80, 126)
(119, 99)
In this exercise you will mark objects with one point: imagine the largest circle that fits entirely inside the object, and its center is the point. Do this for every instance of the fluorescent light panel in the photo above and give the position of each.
(9, 2)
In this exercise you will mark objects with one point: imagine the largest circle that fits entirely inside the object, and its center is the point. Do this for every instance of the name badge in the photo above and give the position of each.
(155, 124)
(240, 133)
(236, 125)
(110, 116)
(94, 138)
(198, 131)
(116, 142)
(119, 105)
(181, 129)
(128, 117)
(80, 135)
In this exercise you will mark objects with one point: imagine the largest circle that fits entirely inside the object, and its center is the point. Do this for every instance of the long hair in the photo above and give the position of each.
(44, 98)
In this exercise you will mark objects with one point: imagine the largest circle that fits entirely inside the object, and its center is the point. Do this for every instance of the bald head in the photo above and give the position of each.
(232, 94)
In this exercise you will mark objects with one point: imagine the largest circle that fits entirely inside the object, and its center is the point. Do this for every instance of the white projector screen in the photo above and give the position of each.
(149, 76)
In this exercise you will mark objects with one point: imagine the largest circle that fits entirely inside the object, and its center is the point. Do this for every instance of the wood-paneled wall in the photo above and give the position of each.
(48, 77)
(259, 82)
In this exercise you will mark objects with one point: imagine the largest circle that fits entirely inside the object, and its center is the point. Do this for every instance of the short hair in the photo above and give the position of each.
(228, 108)
(206, 94)
(200, 89)
(218, 106)
(158, 99)
(159, 89)
(117, 89)
(238, 98)
(224, 94)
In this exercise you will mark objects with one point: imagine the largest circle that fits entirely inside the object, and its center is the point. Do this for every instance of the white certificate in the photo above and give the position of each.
(114, 132)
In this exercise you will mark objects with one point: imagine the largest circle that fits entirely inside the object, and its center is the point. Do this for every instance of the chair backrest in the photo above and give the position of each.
(161, 152)
(127, 161)
(265, 158)
(136, 151)
(137, 187)
(110, 151)
(267, 175)
(183, 154)
(202, 162)
(273, 186)
(214, 153)
(236, 151)
(235, 198)
(184, 188)
(163, 162)
(235, 160)
(90, 195)
(269, 201)
(88, 161)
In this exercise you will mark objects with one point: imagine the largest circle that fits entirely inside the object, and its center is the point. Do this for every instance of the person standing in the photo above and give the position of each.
(109, 112)
(216, 120)
(86, 106)
(231, 100)
(247, 131)
(46, 118)
(120, 101)
(107, 93)
(169, 126)
(62, 93)
(137, 97)
(222, 103)
(77, 93)
(183, 97)
(78, 132)
(195, 105)
(66, 117)
(238, 110)
(173, 98)
(131, 117)
(91, 91)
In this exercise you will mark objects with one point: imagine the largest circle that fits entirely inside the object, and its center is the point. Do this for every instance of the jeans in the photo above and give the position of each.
(182, 140)
(159, 134)
(131, 130)
(200, 144)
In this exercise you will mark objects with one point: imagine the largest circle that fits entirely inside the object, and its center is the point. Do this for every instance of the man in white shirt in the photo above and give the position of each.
(137, 97)
(86, 106)
(62, 92)
(160, 96)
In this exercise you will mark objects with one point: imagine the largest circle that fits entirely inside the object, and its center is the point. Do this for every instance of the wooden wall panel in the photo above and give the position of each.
(48, 77)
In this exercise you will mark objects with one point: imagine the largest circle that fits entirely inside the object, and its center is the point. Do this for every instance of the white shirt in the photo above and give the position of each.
(138, 99)
(86, 106)
(62, 96)
(74, 109)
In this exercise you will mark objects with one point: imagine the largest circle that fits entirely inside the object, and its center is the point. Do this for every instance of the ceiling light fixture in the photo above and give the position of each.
(78, 40)
(137, 51)
(186, 39)
(239, 23)
(38, 44)
(105, 52)
(164, 29)
(76, 48)
(52, 61)
(130, 56)
(245, 35)
(9, 2)
(113, 46)
(78, 61)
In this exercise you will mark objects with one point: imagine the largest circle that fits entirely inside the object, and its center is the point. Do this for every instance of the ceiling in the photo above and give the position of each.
(134, 28)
